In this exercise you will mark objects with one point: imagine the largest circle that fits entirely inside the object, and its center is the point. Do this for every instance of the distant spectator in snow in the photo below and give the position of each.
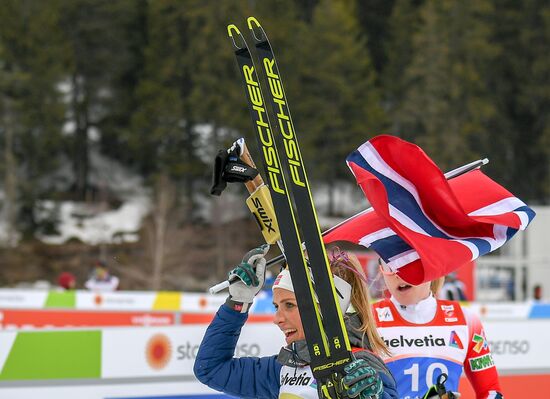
(101, 279)
(537, 293)
(67, 281)
(453, 289)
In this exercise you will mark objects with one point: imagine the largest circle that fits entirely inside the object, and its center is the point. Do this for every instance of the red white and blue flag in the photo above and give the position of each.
(422, 225)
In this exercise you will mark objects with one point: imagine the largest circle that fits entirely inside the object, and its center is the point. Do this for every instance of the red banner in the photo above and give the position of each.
(28, 319)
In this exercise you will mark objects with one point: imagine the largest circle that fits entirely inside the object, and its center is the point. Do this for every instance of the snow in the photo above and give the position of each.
(82, 221)
(91, 223)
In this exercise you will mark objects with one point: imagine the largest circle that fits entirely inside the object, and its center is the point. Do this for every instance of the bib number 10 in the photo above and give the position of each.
(432, 372)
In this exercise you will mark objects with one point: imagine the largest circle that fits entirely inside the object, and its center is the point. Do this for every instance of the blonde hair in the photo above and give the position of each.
(346, 266)
(436, 285)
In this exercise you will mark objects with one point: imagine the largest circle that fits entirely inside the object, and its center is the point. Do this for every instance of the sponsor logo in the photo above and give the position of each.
(262, 215)
(293, 379)
(188, 351)
(152, 320)
(239, 169)
(482, 362)
(509, 347)
(12, 298)
(425, 341)
(384, 314)
(455, 341)
(331, 364)
(448, 310)
(113, 300)
(480, 343)
(285, 124)
(264, 131)
(203, 302)
(158, 351)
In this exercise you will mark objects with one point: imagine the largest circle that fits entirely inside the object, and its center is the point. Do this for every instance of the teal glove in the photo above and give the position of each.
(250, 274)
(361, 380)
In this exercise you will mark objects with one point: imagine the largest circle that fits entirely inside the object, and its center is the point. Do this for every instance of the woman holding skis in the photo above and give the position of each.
(429, 337)
(248, 377)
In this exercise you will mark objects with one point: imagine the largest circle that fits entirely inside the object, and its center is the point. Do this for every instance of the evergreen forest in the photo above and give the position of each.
(153, 86)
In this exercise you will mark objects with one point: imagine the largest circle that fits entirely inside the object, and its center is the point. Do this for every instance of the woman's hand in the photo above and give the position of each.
(251, 275)
(361, 381)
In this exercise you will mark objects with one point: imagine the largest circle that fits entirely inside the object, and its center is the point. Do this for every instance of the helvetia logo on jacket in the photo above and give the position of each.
(402, 341)
(292, 379)
(158, 351)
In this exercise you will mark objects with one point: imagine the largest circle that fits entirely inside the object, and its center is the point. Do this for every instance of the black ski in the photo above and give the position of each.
(340, 350)
(281, 201)
(325, 332)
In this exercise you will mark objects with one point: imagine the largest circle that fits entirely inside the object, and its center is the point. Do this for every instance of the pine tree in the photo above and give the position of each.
(31, 106)
(97, 53)
(340, 107)
(520, 81)
(447, 103)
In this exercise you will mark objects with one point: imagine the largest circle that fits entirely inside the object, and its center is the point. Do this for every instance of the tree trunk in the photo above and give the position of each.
(10, 177)
(164, 201)
(80, 155)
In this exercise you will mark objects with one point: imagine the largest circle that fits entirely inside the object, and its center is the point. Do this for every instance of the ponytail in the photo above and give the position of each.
(346, 266)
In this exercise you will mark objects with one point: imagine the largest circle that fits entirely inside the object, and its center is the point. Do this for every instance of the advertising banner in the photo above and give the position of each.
(172, 351)
(11, 319)
(157, 362)
(22, 299)
(519, 347)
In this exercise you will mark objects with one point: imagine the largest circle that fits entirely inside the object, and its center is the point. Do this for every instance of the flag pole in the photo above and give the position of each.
(280, 258)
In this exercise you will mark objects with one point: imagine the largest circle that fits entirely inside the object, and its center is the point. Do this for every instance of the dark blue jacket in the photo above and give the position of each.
(246, 377)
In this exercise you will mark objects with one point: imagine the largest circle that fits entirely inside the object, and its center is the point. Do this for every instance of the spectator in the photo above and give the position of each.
(67, 281)
(453, 289)
(537, 293)
(101, 279)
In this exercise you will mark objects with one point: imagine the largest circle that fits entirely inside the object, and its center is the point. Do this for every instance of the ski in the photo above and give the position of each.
(339, 346)
(325, 332)
(281, 202)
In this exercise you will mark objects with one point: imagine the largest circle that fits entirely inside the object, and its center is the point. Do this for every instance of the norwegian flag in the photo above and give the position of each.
(420, 224)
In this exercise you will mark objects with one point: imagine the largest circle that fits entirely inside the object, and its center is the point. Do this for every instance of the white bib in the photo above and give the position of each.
(297, 383)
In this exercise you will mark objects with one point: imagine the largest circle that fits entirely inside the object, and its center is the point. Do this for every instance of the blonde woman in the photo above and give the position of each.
(429, 337)
(288, 374)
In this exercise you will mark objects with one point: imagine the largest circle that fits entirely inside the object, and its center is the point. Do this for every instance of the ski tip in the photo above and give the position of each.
(232, 32)
(256, 29)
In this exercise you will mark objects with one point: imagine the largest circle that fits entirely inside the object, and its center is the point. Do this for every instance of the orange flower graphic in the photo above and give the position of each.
(158, 351)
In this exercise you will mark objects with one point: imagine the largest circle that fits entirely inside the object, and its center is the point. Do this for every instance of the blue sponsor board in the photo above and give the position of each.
(540, 311)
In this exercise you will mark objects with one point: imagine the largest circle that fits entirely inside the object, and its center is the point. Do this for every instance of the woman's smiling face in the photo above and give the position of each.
(287, 316)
